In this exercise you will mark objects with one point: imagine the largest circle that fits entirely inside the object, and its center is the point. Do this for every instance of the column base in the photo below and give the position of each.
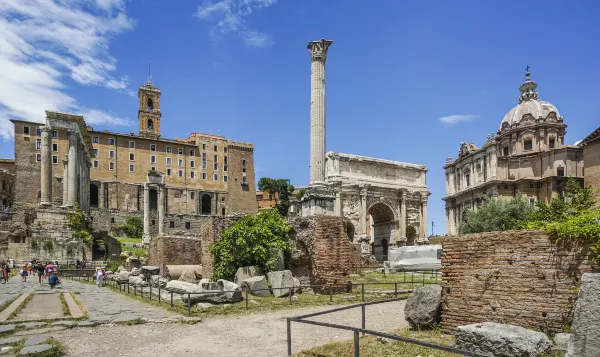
(45, 204)
(146, 238)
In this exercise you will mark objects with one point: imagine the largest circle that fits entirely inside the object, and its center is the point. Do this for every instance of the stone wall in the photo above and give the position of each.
(241, 198)
(591, 159)
(514, 277)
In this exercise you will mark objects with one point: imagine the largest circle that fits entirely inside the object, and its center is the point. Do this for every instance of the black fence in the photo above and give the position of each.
(363, 330)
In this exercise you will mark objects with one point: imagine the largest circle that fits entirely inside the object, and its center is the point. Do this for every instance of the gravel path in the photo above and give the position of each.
(249, 335)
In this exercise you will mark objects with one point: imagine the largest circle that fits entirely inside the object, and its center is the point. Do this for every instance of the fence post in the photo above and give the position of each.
(436, 273)
(289, 336)
(171, 299)
(246, 299)
(423, 278)
(364, 322)
(134, 290)
(150, 291)
(395, 290)
(412, 279)
(189, 305)
(159, 293)
(356, 344)
(127, 288)
(362, 292)
(290, 296)
(330, 295)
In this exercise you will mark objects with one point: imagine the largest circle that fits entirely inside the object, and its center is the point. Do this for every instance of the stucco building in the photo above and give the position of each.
(527, 156)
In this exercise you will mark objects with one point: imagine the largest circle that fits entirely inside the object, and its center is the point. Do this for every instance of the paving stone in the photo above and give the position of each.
(35, 340)
(10, 340)
(85, 324)
(5, 350)
(29, 325)
(35, 349)
(40, 331)
(124, 318)
(100, 320)
(67, 323)
(7, 328)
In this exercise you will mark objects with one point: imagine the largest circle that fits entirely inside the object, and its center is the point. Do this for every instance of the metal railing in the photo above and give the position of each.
(358, 330)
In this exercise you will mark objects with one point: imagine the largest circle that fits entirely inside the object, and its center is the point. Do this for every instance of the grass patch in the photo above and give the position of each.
(370, 346)
(401, 280)
(57, 349)
(86, 315)
(20, 307)
(129, 240)
(65, 307)
(137, 321)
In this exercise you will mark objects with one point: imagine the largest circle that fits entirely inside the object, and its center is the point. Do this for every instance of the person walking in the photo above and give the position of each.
(99, 276)
(41, 272)
(23, 273)
(30, 268)
(5, 271)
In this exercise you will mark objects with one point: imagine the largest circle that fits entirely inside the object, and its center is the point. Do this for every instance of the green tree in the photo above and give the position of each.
(300, 193)
(496, 215)
(80, 224)
(251, 241)
(280, 189)
(134, 227)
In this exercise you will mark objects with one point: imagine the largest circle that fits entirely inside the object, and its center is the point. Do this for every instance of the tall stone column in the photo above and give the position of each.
(65, 182)
(338, 203)
(73, 161)
(46, 166)
(146, 235)
(403, 215)
(424, 217)
(161, 210)
(363, 212)
(318, 55)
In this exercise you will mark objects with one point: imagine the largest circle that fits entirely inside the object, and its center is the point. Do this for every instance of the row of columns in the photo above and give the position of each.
(161, 211)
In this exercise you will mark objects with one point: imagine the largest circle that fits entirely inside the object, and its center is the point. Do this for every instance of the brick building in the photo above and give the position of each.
(591, 158)
(203, 174)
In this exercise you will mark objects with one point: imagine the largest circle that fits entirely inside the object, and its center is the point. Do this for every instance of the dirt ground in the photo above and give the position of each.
(248, 335)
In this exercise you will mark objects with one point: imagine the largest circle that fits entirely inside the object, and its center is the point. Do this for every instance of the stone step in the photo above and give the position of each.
(5, 314)
(73, 307)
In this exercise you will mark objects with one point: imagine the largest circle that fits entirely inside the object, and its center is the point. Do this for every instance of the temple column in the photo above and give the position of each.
(73, 161)
(403, 215)
(338, 203)
(424, 217)
(146, 235)
(161, 210)
(65, 193)
(101, 197)
(363, 212)
(46, 166)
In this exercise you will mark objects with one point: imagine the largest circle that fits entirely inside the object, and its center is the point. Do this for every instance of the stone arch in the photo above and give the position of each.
(105, 247)
(385, 226)
(150, 104)
(94, 195)
(206, 204)
(350, 231)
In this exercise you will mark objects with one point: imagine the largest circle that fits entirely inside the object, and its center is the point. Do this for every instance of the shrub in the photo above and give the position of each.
(133, 227)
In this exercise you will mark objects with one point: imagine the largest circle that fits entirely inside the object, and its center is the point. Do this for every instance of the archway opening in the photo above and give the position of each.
(150, 104)
(153, 200)
(150, 124)
(206, 204)
(350, 231)
(384, 227)
(94, 195)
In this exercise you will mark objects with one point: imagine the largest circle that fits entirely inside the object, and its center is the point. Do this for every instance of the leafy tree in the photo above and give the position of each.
(496, 215)
(251, 241)
(300, 193)
(134, 227)
(80, 225)
(280, 189)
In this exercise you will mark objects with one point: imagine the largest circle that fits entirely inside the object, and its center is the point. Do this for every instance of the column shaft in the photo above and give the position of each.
(146, 236)
(424, 218)
(73, 163)
(161, 210)
(46, 166)
(363, 215)
(403, 216)
(65, 193)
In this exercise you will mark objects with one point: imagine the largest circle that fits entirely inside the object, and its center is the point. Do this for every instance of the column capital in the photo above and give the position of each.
(46, 129)
(318, 49)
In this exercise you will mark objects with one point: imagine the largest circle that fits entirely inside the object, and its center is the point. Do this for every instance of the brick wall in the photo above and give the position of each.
(591, 160)
(514, 277)
(241, 197)
(175, 250)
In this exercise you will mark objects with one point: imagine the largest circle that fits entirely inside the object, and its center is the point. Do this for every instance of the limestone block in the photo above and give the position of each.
(280, 279)
(149, 270)
(585, 331)
(123, 275)
(245, 273)
(502, 340)
(181, 287)
(233, 293)
(189, 276)
(256, 283)
(423, 307)
(135, 271)
(158, 281)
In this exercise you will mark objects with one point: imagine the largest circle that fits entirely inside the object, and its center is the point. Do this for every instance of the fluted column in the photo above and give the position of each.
(424, 217)
(318, 52)
(403, 215)
(46, 166)
(161, 210)
(363, 212)
(146, 235)
(73, 161)
(65, 193)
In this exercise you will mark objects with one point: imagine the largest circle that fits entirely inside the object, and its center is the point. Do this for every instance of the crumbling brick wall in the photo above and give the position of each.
(514, 277)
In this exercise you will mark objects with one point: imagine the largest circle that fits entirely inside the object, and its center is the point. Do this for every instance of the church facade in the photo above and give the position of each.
(527, 156)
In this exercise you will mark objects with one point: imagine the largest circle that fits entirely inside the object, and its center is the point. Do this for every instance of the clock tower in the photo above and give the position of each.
(149, 110)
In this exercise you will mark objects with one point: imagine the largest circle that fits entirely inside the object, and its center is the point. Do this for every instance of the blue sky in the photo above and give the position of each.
(241, 69)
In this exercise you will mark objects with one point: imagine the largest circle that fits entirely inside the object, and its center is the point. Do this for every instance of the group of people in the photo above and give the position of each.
(47, 270)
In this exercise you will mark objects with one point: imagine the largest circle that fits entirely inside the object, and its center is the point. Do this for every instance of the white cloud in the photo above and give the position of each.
(459, 118)
(44, 41)
(228, 17)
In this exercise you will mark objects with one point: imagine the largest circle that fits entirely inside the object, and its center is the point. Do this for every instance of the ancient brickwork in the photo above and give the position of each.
(514, 277)
(121, 196)
(591, 158)
(241, 189)
(175, 250)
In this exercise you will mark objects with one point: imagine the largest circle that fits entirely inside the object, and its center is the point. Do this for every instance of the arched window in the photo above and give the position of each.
(150, 124)
(206, 204)
(150, 104)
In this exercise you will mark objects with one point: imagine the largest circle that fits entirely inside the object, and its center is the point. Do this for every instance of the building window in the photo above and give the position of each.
(169, 150)
(192, 195)
(203, 160)
(171, 224)
(55, 134)
(131, 156)
(243, 169)
(203, 146)
(528, 144)
(216, 166)
(152, 147)
(132, 144)
(531, 185)
(180, 173)
(225, 150)
(505, 151)
(168, 172)
(111, 165)
(192, 152)
(26, 130)
(204, 175)
(96, 164)
(38, 157)
(168, 161)
(111, 141)
(180, 162)
(131, 167)
(244, 181)
(38, 144)
(216, 177)
(551, 143)
(224, 178)
(222, 211)
(55, 159)
(180, 151)
(192, 175)
(112, 219)
(153, 159)
(96, 152)
(192, 163)
(55, 147)
(111, 154)
(532, 201)
(153, 168)
(216, 148)
(560, 171)
(95, 140)
(38, 131)
(187, 225)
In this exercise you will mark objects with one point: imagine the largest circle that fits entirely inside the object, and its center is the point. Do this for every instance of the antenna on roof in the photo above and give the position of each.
(149, 75)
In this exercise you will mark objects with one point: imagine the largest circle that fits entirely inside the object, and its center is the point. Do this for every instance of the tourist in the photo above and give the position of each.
(30, 268)
(99, 276)
(53, 279)
(23, 273)
(5, 271)
(41, 272)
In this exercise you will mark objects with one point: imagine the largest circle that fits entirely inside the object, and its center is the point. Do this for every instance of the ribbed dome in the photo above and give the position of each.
(529, 104)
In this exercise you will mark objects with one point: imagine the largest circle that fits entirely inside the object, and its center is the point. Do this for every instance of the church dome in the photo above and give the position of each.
(529, 104)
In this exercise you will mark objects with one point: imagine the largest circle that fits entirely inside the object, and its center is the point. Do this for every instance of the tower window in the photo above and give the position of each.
(131, 156)
(150, 104)
(203, 146)
(55, 133)
(111, 141)
(180, 163)
(38, 157)
(192, 195)
(551, 143)
(96, 152)
(192, 163)
(132, 144)
(38, 144)
(131, 167)
(168, 161)
(96, 164)
(152, 159)
(216, 148)
(527, 144)
(168, 172)
(192, 174)
(180, 151)
(55, 147)
(111, 165)
(225, 150)
(204, 175)
(180, 173)
(95, 140)
(216, 177)
(55, 159)
(26, 130)
(150, 124)
(111, 154)
(152, 147)
(38, 131)
(192, 152)
(169, 150)
(225, 178)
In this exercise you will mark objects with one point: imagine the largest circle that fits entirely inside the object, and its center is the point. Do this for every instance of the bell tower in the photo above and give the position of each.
(149, 110)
